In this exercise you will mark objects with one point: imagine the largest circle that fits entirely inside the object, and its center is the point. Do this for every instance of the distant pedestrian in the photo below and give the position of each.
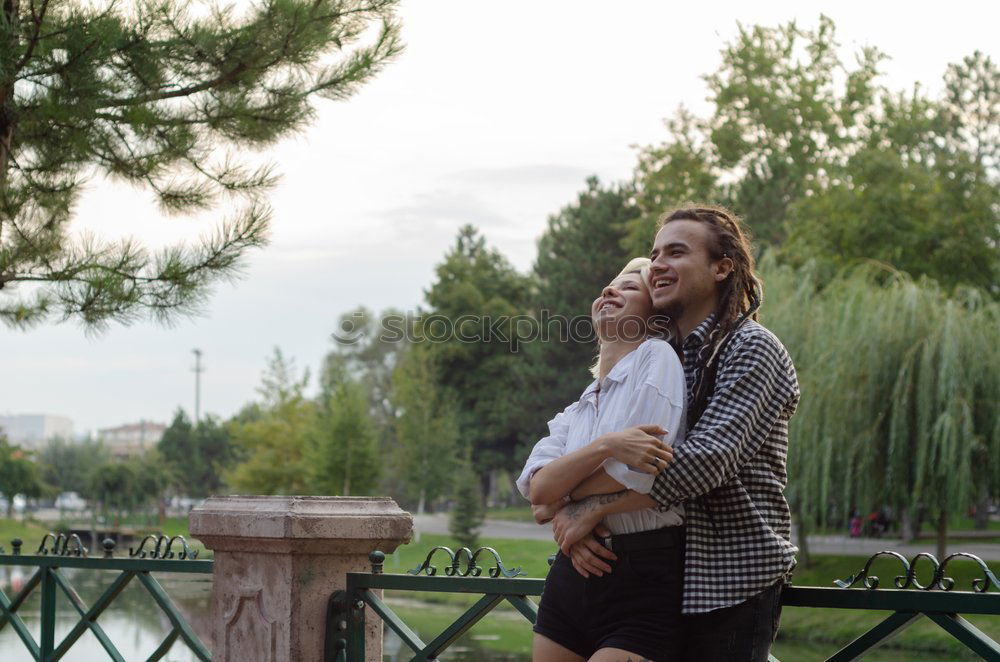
(856, 526)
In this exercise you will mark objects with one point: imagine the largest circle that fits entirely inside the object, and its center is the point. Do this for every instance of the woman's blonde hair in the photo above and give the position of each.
(637, 265)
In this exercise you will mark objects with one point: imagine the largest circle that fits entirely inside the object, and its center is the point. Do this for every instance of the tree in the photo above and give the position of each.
(115, 485)
(179, 450)
(823, 161)
(272, 440)
(926, 172)
(125, 487)
(196, 455)
(426, 427)
(18, 474)
(67, 465)
(367, 349)
(900, 382)
(680, 169)
(467, 515)
(157, 96)
(578, 256)
(781, 117)
(471, 331)
(344, 455)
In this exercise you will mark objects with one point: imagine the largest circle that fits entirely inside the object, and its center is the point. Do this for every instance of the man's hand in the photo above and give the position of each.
(640, 448)
(588, 554)
(577, 519)
(545, 512)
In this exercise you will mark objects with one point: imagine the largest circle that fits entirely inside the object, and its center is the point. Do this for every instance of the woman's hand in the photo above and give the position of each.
(575, 521)
(545, 512)
(639, 448)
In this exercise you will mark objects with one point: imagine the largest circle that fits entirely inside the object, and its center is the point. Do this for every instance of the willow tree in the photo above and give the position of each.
(899, 388)
(165, 95)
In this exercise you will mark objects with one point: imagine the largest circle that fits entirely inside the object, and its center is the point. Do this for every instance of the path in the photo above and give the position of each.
(842, 545)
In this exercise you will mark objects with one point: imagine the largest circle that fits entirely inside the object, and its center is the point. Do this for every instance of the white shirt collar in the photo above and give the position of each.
(617, 375)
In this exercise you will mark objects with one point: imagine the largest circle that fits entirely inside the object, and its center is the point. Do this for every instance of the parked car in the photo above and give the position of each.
(20, 503)
(70, 501)
(184, 503)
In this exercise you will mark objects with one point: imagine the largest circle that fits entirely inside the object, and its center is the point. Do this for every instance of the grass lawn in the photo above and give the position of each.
(30, 533)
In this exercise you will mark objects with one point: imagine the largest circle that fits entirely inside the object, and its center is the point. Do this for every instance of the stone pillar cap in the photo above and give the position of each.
(308, 524)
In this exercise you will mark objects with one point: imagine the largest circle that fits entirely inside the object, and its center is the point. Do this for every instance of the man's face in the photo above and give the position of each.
(683, 276)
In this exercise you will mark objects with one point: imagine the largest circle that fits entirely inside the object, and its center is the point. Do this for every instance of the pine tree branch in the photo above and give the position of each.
(37, 19)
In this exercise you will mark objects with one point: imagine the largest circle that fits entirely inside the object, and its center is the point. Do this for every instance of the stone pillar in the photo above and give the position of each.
(277, 561)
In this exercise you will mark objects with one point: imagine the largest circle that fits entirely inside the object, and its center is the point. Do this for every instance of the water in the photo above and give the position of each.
(134, 623)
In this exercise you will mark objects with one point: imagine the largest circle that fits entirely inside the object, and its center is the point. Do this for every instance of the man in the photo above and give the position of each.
(729, 472)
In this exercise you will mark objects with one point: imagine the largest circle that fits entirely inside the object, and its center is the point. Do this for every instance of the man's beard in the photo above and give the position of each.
(673, 310)
(662, 319)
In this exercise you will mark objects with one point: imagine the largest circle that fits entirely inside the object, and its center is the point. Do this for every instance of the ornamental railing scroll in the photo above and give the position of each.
(58, 551)
(471, 569)
(908, 601)
(161, 548)
(909, 577)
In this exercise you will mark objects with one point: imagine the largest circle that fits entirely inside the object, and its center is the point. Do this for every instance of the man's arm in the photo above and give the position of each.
(756, 382)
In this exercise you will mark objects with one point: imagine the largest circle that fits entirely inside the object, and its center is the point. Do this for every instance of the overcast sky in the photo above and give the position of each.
(494, 115)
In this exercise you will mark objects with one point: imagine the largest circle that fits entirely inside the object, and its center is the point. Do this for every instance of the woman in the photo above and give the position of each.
(639, 382)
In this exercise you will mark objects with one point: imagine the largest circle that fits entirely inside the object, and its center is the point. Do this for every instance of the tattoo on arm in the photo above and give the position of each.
(576, 509)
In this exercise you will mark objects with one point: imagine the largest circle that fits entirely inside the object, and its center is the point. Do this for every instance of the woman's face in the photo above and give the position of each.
(622, 311)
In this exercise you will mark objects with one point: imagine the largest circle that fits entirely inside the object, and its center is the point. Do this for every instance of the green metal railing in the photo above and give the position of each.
(69, 552)
(908, 602)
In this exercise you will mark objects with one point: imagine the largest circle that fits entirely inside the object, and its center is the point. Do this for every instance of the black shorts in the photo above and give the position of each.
(637, 607)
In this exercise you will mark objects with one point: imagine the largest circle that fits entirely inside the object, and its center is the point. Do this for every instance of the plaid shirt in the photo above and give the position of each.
(730, 472)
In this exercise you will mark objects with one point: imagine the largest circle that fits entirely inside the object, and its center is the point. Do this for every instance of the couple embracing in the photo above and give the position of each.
(664, 482)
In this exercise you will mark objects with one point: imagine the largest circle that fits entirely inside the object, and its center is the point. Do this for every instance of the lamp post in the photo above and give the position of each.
(198, 369)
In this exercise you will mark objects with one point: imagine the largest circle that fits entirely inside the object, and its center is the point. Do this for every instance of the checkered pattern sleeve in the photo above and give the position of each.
(756, 382)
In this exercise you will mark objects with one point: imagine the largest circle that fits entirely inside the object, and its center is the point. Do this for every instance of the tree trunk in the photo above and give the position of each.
(11, 11)
(942, 535)
(421, 502)
(907, 530)
(918, 521)
(982, 518)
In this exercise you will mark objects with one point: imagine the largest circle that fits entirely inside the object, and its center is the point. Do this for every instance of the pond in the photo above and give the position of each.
(133, 622)
(137, 626)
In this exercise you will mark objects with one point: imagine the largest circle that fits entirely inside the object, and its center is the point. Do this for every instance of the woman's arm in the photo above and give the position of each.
(558, 478)
(598, 482)
(635, 445)
(658, 400)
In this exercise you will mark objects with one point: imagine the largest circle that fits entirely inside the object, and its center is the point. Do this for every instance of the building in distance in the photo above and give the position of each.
(31, 431)
(132, 439)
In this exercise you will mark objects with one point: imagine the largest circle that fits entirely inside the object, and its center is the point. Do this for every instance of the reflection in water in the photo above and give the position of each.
(133, 622)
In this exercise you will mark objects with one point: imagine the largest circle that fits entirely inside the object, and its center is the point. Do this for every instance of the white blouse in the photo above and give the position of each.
(646, 386)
